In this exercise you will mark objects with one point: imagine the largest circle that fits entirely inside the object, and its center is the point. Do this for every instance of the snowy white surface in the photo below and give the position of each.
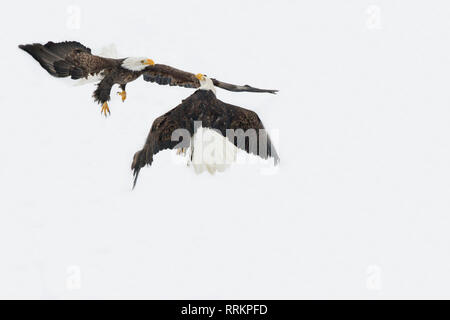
(360, 207)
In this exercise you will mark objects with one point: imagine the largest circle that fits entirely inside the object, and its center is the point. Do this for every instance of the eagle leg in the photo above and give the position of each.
(105, 109)
(181, 151)
(123, 94)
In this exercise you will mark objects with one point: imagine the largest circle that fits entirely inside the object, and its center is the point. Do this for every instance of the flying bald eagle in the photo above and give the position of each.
(73, 59)
(226, 127)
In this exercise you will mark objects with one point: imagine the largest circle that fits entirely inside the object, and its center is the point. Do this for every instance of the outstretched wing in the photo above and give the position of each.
(205, 107)
(69, 58)
(166, 75)
(160, 136)
(236, 88)
(248, 132)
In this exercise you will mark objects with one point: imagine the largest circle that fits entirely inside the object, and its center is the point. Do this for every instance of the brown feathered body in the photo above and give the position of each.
(202, 106)
(72, 59)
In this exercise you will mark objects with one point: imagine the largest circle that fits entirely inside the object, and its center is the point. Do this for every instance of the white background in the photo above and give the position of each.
(359, 208)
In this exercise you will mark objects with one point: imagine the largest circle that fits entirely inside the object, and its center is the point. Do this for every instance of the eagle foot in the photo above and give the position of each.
(123, 94)
(105, 109)
(181, 151)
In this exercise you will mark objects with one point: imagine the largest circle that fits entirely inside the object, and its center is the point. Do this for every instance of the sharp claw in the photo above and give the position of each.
(105, 109)
(123, 94)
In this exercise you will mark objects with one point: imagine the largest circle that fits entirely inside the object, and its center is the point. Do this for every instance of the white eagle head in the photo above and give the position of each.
(137, 63)
(205, 82)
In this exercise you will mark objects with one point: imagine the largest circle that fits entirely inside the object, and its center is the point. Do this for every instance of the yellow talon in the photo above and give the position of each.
(105, 109)
(123, 94)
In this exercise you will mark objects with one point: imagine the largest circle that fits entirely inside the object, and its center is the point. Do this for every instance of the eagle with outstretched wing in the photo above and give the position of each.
(72, 59)
(213, 115)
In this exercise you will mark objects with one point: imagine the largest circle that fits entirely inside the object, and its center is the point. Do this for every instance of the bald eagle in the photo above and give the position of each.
(71, 58)
(226, 127)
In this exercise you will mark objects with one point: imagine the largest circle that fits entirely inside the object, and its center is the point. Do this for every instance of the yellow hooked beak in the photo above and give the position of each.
(149, 62)
(200, 76)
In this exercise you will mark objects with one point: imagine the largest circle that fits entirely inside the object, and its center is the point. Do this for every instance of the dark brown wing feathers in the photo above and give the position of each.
(205, 107)
(69, 58)
(63, 49)
(236, 88)
(166, 75)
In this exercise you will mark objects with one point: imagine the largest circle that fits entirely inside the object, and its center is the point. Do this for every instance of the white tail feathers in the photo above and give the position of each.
(211, 151)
